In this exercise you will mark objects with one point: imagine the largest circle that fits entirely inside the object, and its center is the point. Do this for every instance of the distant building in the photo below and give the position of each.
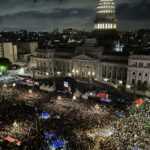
(84, 62)
(138, 71)
(70, 31)
(89, 62)
(8, 50)
(28, 47)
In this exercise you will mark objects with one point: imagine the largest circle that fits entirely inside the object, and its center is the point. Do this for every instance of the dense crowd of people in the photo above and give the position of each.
(84, 124)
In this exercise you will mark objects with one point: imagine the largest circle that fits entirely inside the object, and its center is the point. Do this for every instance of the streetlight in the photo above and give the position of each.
(128, 86)
(116, 86)
(106, 80)
(120, 81)
(58, 73)
(93, 74)
(69, 74)
(14, 84)
(89, 73)
(47, 73)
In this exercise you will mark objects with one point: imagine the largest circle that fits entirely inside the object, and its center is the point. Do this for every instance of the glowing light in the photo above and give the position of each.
(93, 73)
(106, 80)
(3, 69)
(59, 97)
(128, 86)
(47, 73)
(89, 73)
(21, 71)
(30, 91)
(14, 84)
(74, 98)
(15, 124)
(120, 81)
(58, 73)
(69, 74)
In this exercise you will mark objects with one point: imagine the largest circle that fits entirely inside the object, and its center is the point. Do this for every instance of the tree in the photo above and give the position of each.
(5, 64)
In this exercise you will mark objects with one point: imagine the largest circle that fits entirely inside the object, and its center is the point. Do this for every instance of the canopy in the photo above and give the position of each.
(120, 113)
(44, 116)
(135, 148)
(12, 140)
(105, 100)
(49, 136)
(102, 95)
(58, 144)
(139, 101)
(9, 139)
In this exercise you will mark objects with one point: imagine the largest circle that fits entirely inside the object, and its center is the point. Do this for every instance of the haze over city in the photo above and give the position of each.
(44, 15)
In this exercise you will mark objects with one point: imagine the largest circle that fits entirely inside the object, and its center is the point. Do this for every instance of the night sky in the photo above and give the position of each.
(44, 15)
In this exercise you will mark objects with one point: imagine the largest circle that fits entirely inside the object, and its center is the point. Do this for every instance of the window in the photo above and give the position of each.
(140, 64)
(145, 74)
(133, 81)
(134, 63)
(148, 65)
(140, 74)
(133, 73)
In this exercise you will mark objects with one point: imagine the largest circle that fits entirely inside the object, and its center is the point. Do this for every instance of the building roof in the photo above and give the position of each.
(83, 57)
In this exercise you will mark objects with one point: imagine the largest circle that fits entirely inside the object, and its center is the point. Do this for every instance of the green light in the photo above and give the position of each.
(3, 69)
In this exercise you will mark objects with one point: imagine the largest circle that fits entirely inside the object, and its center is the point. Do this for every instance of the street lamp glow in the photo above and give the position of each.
(14, 84)
(116, 86)
(74, 98)
(73, 70)
(58, 73)
(120, 81)
(93, 73)
(77, 71)
(128, 86)
(106, 80)
(69, 74)
(89, 73)
(47, 73)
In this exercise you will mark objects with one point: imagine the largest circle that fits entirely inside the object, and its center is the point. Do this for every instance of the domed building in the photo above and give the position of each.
(105, 16)
(105, 25)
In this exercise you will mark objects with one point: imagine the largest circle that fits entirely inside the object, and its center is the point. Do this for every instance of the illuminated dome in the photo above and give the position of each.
(105, 16)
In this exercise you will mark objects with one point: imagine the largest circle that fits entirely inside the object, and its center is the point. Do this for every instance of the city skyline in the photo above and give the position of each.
(44, 15)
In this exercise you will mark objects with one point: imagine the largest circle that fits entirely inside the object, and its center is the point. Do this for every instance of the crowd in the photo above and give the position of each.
(84, 124)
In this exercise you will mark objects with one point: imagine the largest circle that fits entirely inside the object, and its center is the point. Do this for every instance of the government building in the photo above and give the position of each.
(83, 62)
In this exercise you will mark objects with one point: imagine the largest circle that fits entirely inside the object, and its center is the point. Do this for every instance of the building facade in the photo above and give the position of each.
(138, 74)
(91, 64)
(9, 50)
(86, 62)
